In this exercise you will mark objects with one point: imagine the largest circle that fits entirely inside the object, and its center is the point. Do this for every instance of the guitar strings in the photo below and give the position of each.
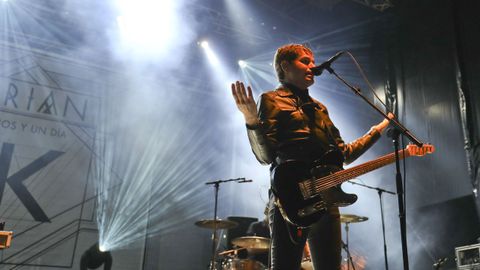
(337, 178)
(325, 182)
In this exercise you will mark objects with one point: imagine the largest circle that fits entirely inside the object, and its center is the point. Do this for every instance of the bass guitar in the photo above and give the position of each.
(303, 194)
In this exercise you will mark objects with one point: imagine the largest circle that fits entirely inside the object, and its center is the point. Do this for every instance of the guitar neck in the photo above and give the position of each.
(339, 177)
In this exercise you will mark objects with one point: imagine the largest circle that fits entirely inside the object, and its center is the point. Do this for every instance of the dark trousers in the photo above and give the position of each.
(287, 243)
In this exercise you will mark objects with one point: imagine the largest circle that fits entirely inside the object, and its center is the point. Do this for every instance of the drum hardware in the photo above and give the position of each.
(242, 264)
(216, 185)
(230, 252)
(347, 219)
(220, 224)
(253, 244)
(232, 262)
(215, 225)
(380, 192)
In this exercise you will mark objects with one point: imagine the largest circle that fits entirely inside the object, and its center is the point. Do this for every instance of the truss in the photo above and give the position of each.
(379, 5)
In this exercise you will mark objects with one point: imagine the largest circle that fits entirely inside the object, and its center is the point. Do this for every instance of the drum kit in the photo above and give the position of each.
(255, 245)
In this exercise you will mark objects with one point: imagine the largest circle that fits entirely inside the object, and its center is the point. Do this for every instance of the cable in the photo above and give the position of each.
(365, 78)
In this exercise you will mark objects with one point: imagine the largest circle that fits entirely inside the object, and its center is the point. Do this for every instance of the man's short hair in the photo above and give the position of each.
(288, 53)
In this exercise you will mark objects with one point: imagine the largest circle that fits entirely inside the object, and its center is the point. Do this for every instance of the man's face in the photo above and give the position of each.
(298, 71)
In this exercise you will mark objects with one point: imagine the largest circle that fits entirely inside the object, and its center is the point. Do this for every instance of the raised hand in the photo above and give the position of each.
(245, 103)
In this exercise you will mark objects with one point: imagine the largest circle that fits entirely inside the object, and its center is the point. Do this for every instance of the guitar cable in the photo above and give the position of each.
(396, 109)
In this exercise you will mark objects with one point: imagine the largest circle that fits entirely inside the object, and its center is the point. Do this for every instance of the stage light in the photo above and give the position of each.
(258, 73)
(94, 257)
(242, 63)
(102, 248)
(204, 44)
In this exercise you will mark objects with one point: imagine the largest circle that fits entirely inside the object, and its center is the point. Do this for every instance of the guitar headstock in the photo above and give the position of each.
(414, 150)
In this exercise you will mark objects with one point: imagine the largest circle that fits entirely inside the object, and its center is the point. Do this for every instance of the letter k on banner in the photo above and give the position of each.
(15, 180)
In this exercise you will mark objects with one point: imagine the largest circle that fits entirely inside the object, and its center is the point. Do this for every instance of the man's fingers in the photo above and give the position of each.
(234, 93)
(242, 96)
(237, 93)
(242, 89)
(241, 92)
(250, 96)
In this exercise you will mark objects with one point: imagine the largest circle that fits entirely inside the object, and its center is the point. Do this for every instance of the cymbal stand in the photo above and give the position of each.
(216, 185)
(346, 248)
(380, 192)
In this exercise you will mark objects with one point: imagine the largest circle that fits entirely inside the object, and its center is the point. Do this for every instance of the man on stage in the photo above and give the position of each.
(290, 125)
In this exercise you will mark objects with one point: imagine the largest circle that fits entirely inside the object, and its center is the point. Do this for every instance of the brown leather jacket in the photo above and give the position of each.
(298, 127)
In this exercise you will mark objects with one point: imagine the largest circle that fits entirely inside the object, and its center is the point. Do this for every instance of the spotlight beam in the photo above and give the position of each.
(151, 183)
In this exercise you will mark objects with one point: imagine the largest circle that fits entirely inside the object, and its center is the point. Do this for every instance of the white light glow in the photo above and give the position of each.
(211, 56)
(146, 24)
(242, 63)
(258, 74)
(238, 12)
(204, 44)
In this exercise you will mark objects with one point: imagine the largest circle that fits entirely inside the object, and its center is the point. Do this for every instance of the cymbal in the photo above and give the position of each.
(231, 251)
(347, 218)
(221, 224)
(253, 244)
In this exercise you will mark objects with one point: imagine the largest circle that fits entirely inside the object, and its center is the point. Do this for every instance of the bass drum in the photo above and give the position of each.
(243, 264)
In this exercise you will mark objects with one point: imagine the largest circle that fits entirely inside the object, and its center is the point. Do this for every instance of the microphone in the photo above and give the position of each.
(317, 71)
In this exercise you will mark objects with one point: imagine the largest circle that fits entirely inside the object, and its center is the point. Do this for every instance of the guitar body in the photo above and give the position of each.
(297, 209)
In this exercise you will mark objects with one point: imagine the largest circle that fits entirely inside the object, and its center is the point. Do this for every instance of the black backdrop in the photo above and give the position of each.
(433, 55)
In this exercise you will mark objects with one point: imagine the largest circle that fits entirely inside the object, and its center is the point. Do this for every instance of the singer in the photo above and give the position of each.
(288, 124)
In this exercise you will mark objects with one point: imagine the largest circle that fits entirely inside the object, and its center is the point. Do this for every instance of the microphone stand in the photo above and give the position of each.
(216, 185)
(380, 192)
(399, 129)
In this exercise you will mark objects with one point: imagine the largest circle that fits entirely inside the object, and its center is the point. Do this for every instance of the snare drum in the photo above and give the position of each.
(243, 264)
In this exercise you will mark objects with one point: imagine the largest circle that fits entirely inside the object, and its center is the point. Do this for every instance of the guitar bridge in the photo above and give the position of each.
(305, 189)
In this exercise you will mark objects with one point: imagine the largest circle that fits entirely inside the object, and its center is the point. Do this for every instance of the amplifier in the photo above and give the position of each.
(468, 257)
